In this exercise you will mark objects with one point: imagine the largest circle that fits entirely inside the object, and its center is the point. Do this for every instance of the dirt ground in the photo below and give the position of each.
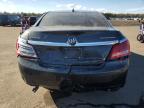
(14, 93)
(125, 22)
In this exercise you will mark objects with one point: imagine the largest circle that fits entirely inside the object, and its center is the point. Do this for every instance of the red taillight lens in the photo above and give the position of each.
(120, 50)
(25, 50)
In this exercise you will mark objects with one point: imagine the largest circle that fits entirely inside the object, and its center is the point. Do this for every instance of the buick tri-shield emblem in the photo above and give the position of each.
(72, 41)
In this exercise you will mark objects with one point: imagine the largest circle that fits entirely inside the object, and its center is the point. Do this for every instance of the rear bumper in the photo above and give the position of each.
(52, 76)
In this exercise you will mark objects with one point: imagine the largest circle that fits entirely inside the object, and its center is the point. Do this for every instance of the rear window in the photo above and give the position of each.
(86, 19)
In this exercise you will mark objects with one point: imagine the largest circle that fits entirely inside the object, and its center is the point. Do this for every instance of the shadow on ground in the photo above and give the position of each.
(131, 96)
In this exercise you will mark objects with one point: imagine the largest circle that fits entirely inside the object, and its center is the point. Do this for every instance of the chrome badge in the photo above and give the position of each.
(72, 41)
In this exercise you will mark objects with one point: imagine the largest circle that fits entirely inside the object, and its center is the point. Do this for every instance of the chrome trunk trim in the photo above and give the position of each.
(77, 44)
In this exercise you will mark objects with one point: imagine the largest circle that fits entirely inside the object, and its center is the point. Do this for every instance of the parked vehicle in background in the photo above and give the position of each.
(68, 50)
(140, 36)
(32, 20)
(12, 20)
(3, 20)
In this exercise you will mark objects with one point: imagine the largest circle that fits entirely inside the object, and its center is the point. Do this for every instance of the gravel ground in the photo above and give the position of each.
(14, 93)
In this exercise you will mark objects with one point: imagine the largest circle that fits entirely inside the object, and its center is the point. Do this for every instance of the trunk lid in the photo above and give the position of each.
(91, 48)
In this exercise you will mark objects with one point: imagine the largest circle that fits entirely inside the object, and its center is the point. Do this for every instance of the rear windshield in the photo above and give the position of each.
(86, 19)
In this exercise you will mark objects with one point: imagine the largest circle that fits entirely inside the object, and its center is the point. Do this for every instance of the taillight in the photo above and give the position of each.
(25, 50)
(120, 50)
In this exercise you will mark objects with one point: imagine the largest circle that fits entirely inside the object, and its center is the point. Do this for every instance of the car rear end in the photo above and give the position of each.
(60, 58)
(14, 20)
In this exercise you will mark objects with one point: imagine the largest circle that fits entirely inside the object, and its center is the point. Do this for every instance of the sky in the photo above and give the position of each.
(41, 6)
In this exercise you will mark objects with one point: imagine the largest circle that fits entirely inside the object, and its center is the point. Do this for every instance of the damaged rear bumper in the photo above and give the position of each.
(52, 76)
